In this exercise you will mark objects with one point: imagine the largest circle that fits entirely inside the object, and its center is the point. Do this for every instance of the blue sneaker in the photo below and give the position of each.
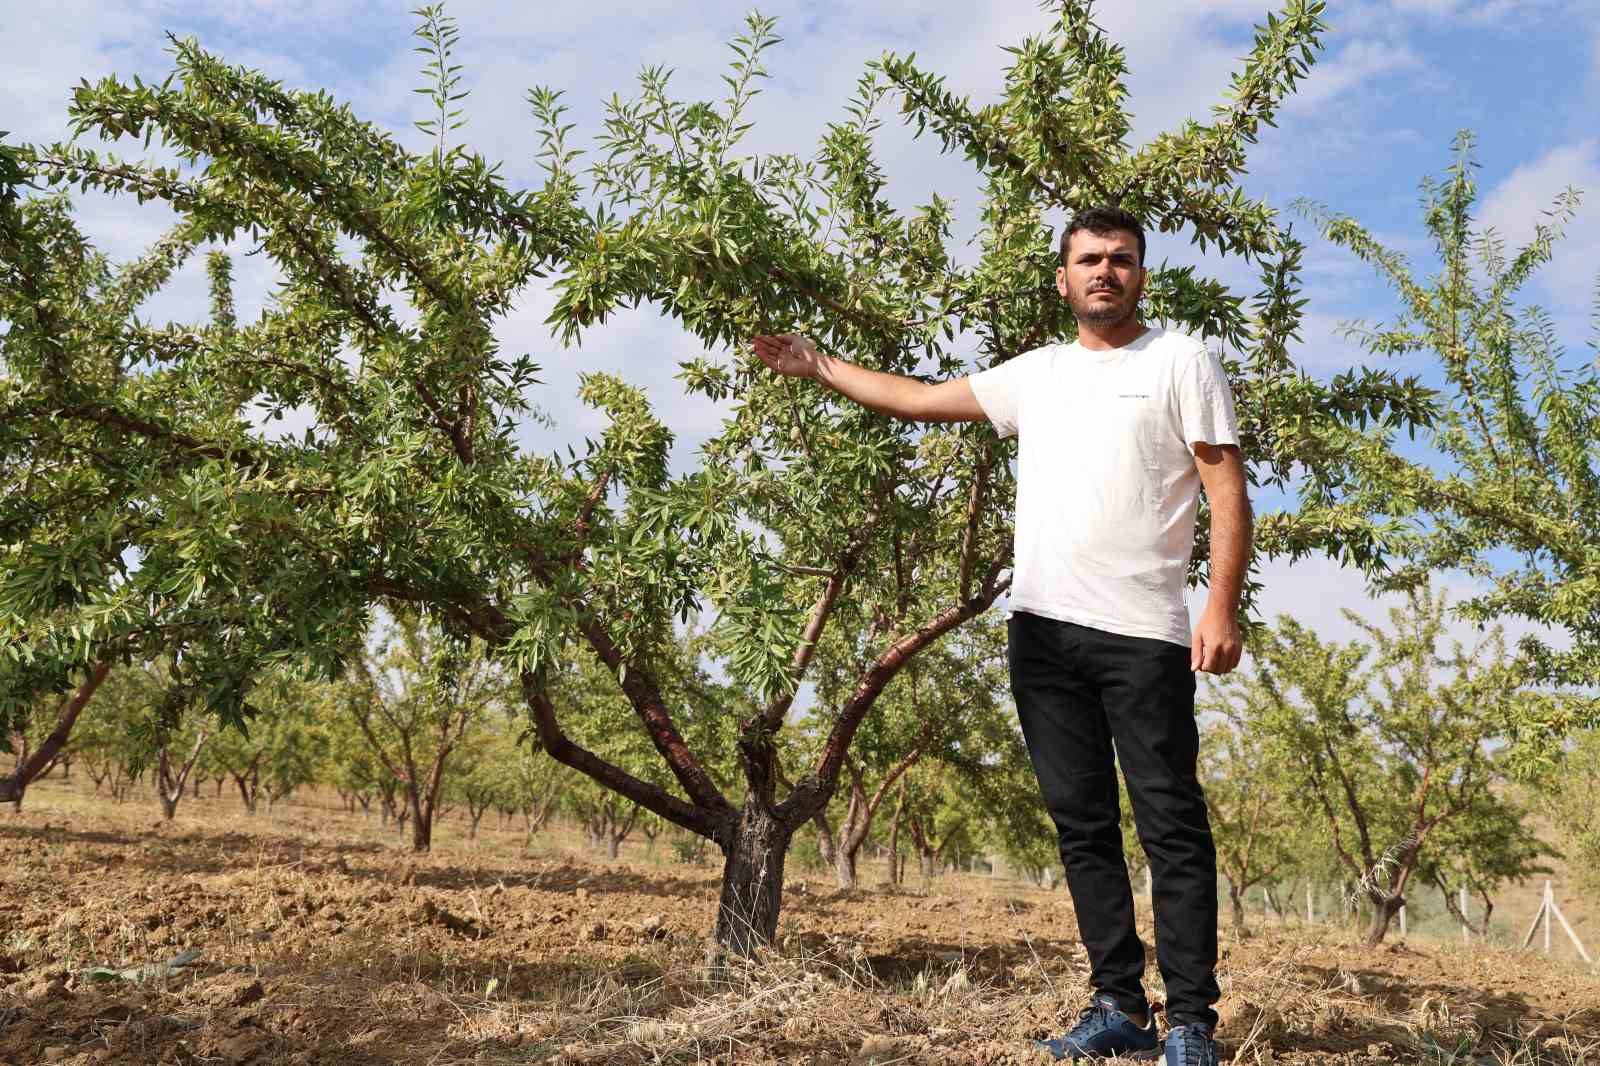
(1191, 1045)
(1104, 1030)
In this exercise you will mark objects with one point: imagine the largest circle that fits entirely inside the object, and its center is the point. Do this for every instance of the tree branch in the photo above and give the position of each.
(12, 788)
(716, 825)
(818, 785)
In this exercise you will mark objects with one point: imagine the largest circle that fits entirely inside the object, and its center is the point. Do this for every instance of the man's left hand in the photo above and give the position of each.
(1217, 644)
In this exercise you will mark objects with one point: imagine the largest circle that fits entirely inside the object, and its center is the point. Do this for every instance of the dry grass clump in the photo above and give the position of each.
(803, 1006)
(1288, 1010)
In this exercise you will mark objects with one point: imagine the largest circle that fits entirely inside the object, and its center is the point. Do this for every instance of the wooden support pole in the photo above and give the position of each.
(1311, 904)
(1548, 898)
(1402, 920)
(1466, 930)
(1533, 927)
(1562, 918)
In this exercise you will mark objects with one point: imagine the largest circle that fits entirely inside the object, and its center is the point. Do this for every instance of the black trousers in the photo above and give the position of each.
(1081, 693)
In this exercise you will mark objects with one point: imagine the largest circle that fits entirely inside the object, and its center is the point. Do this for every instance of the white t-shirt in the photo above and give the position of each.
(1106, 482)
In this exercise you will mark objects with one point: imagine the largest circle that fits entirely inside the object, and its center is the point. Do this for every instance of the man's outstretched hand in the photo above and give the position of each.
(790, 354)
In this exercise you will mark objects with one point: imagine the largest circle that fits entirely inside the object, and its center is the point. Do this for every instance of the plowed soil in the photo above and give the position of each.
(311, 936)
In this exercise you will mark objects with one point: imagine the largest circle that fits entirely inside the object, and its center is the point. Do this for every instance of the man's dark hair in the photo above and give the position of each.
(1102, 221)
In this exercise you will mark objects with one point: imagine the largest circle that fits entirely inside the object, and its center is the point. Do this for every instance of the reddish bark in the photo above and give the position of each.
(31, 766)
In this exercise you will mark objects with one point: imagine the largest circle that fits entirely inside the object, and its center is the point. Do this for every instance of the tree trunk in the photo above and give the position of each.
(613, 845)
(1382, 914)
(894, 836)
(169, 805)
(247, 793)
(925, 866)
(421, 826)
(824, 837)
(844, 868)
(1236, 900)
(752, 882)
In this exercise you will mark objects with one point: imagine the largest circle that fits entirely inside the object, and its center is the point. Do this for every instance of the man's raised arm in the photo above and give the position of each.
(795, 356)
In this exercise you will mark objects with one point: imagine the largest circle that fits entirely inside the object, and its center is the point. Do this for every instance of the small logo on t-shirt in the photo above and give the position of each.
(1133, 395)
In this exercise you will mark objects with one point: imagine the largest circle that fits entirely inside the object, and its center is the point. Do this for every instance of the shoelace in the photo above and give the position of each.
(1091, 1020)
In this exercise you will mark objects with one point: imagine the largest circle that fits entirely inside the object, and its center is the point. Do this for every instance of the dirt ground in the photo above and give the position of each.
(310, 936)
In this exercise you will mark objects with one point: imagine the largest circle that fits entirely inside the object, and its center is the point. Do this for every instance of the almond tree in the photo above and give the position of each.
(1508, 487)
(414, 696)
(280, 749)
(1249, 803)
(33, 761)
(177, 749)
(1388, 754)
(1566, 796)
(942, 816)
(806, 519)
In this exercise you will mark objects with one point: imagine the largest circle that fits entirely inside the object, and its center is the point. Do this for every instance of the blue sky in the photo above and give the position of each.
(1395, 82)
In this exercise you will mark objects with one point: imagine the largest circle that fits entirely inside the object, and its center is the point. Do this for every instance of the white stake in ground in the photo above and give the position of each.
(1547, 908)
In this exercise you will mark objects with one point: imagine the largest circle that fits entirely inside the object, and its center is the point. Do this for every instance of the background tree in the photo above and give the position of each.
(482, 775)
(943, 818)
(414, 696)
(1494, 847)
(116, 738)
(178, 738)
(1251, 805)
(1384, 753)
(1508, 488)
(535, 788)
(280, 749)
(1569, 796)
(809, 518)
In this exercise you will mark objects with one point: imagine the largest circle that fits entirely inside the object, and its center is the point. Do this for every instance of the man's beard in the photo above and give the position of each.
(1105, 314)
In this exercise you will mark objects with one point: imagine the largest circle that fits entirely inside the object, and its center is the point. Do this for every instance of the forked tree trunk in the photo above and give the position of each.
(752, 882)
(894, 836)
(249, 790)
(171, 776)
(824, 837)
(1383, 912)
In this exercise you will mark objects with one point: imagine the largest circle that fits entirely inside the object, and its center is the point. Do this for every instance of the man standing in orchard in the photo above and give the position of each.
(1117, 433)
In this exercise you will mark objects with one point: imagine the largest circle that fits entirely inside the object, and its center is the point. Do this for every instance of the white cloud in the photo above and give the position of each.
(1518, 202)
(1356, 66)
